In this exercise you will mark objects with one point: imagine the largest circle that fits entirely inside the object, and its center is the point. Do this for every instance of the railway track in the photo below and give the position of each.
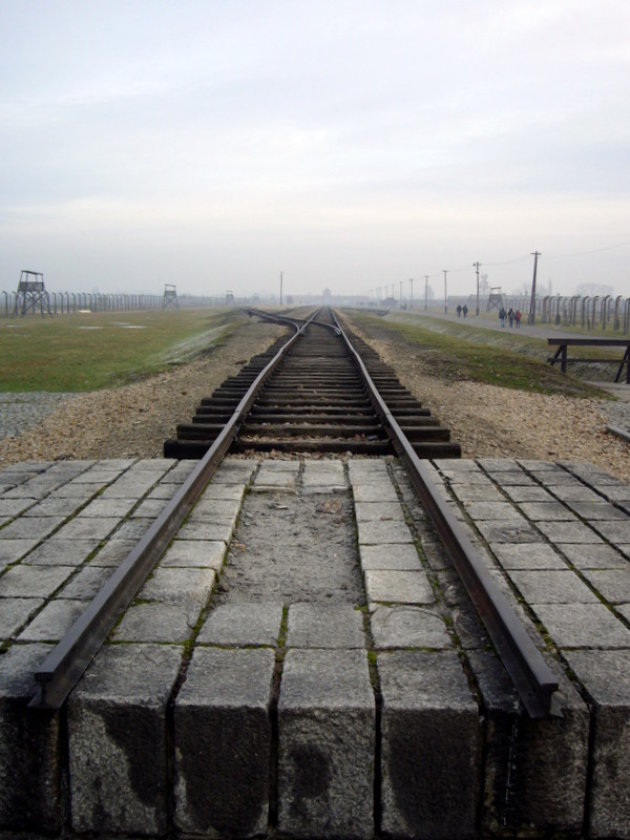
(315, 400)
(322, 391)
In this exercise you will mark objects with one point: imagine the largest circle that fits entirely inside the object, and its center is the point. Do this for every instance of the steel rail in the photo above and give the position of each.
(64, 666)
(530, 674)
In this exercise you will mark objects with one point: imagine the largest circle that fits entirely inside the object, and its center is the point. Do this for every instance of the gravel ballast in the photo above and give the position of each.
(135, 420)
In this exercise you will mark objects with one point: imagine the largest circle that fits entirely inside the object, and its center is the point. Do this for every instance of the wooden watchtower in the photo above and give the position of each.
(495, 298)
(31, 294)
(170, 296)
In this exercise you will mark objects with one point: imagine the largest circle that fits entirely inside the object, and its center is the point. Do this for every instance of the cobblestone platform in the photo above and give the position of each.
(304, 659)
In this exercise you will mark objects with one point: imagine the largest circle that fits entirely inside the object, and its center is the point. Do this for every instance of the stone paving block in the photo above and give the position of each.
(133, 529)
(149, 509)
(324, 473)
(590, 473)
(33, 582)
(322, 626)
(384, 532)
(430, 746)
(235, 472)
(172, 623)
(31, 749)
(203, 553)
(406, 627)
(27, 527)
(536, 464)
(224, 491)
(130, 487)
(15, 612)
(180, 472)
(527, 556)
(394, 587)
(568, 532)
(205, 531)
(162, 492)
(116, 718)
(87, 527)
(220, 512)
(326, 728)
(109, 508)
(583, 625)
(13, 507)
(264, 481)
(575, 492)
(597, 510)
(378, 511)
(175, 585)
(605, 675)
(61, 553)
(53, 506)
(510, 478)
(496, 511)
(613, 584)
(51, 624)
(617, 494)
(593, 556)
(498, 464)
(84, 585)
(614, 532)
(554, 477)
(547, 511)
(506, 531)
(13, 550)
(242, 625)
(379, 490)
(535, 770)
(78, 490)
(544, 586)
(223, 743)
(527, 493)
(113, 553)
(477, 493)
(403, 557)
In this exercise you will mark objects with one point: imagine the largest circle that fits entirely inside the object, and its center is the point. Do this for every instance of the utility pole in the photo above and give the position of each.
(280, 288)
(426, 291)
(532, 303)
(445, 295)
(476, 267)
(410, 293)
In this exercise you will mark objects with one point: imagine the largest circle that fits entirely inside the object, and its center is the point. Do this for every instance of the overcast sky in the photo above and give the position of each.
(350, 144)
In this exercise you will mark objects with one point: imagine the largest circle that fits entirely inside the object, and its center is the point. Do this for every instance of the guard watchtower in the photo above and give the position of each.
(31, 294)
(495, 298)
(170, 296)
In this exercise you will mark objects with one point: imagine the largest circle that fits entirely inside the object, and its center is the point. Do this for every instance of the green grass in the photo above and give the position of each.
(456, 351)
(88, 351)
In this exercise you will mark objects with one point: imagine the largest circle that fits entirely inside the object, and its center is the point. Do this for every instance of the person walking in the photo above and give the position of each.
(459, 310)
(502, 316)
(517, 317)
(511, 317)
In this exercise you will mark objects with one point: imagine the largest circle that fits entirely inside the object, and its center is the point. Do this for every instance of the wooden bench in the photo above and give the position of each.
(564, 343)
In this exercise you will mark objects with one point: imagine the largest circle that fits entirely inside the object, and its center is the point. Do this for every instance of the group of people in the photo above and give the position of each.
(461, 309)
(511, 316)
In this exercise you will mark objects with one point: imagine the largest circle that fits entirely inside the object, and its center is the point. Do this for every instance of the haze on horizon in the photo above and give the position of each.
(351, 145)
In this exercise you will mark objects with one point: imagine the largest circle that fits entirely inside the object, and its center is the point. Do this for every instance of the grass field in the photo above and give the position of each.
(454, 350)
(88, 351)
